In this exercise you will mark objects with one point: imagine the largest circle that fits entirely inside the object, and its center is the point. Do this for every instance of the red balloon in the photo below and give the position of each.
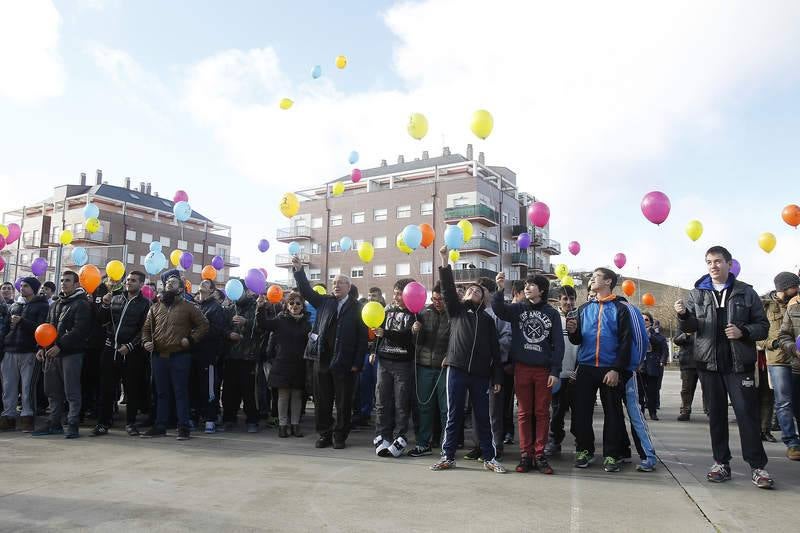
(45, 335)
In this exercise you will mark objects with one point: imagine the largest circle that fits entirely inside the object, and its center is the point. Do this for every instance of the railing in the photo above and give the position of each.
(294, 232)
(519, 258)
(516, 229)
(472, 274)
(554, 247)
(85, 236)
(471, 211)
(285, 260)
(481, 243)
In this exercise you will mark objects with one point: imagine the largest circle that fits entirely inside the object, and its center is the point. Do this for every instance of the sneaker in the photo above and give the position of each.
(583, 459)
(26, 424)
(611, 464)
(98, 431)
(381, 446)
(211, 427)
(525, 465)
(184, 433)
(543, 466)
(323, 442)
(683, 417)
(762, 479)
(132, 430)
(792, 452)
(444, 464)
(720, 473)
(766, 436)
(646, 465)
(420, 451)
(552, 449)
(72, 432)
(474, 455)
(495, 466)
(44, 431)
(252, 428)
(154, 431)
(508, 439)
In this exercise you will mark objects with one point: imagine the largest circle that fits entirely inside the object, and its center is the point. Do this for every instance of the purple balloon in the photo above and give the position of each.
(18, 284)
(797, 343)
(263, 245)
(187, 259)
(620, 260)
(524, 240)
(736, 267)
(656, 206)
(217, 262)
(574, 248)
(256, 281)
(39, 266)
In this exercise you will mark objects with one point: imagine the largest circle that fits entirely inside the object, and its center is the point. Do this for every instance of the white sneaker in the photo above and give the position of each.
(381, 446)
(211, 427)
(397, 447)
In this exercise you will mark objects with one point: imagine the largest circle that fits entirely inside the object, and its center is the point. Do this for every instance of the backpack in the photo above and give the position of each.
(639, 337)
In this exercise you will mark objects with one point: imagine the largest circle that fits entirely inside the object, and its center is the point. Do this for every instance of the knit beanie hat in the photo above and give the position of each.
(786, 280)
(33, 282)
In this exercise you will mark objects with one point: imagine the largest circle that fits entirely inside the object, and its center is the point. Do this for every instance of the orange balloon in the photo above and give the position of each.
(274, 294)
(89, 277)
(428, 235)
(188, 286)
(45, 335)
(209, 272)
(628, 287)
(791, 215)
(648, 299)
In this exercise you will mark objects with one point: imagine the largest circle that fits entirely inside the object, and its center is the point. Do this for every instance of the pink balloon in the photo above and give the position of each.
(574, 247)
(2, 242)
(2, 264)
(147, 292)
(620, 260)
(736, 267)
(355, 176)
(180, 196)
(414, 296)
(14, 232)
(539, 214)
(656, 206)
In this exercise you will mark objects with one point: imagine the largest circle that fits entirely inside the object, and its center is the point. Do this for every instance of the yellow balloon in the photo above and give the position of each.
(92, 225)
(4, 231)
(694, 229)
(115, 270)
(561, 271)
(290, 205)
(454, 256)
(418, 126)
(286, 103)
(319, 289)
(401, 245)
(366, 252)
(373, 314)
(338, 188)
(66, 237)
(482, 123)
(341, 61)
(767, 241)
(466, 227)
(567, 281)
(175, 257)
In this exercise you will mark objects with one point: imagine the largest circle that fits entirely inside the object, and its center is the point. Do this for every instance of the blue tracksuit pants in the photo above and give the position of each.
(458, 383)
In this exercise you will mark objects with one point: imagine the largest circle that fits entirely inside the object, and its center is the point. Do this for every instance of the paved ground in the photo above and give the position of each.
(240, 482)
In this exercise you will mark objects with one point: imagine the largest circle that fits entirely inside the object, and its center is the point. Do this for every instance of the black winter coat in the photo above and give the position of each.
(72, 317)
(123, 319)
(656, 356)
(209, 350)
(250, 346)
(290, 336)
(20, 338)
(685, 343)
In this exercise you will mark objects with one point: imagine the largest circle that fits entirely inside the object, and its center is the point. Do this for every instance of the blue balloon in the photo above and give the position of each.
(91, 211)
(155, 246)
(412, 236)
(316, 72)
(182, 211)
(346, 244)
(80, 256)
(453, 237)
(234, 289)
(153, 264)
(353, 157)
(294, 248)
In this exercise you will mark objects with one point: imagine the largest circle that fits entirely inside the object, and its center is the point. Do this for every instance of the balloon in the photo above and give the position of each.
(234, 289)
(17, 284)
(187, 286)
(180, 196)
(355, 176)
(274, 294)
(341, 62)
(346, 244)
(148, 292)
(155, 246)
(91, 211)
(466, 227)
(154, 262)
(115, 270)
(14, 231)
(366, 251)
(353, 157)
(294, 248)
(217, 262)
(286, 103)
(767, 241)
(620, 260)
(454, 256)
(2, 264)
(182, 211)
(2, 242)
(255, 281)
(209, 272)
(92, 225)
(561, 270)
(45, 335)
(39, 266)
(628, 287)
(412, 236)
(694, 229)
(89, 278)
(482, 123)
(316, 72)
(797, 343)
(454, 237)
(175, 257)
(574, 247)
(264, 271)
(428, 234)
(791, 215)
(263, 245)
(417, 126)
(186, 260)
(414, 296)
(539, 214)
(401, 245)
(655, 207)
(736, 267)
(648, 299)
(319, 289)
(289, 205)
(338, 188)
(65, 237)
(373, 314)
(567, 281)
(524, 240)
(4, 231)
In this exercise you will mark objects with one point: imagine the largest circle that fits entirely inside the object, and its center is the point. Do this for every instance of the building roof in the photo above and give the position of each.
(408, 166)
(134, 196)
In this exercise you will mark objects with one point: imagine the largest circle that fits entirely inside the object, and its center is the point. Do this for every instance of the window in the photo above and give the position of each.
(460, 201)
(505, 245)
(165, 241)
(426, 267)
(314, 274)
(515, 220)
(141, 259)
(358, 218)
(316, 249)
(79, 228)
(182, 245)
(333, 272)
(426, 208)
(482, 264)
(335, 246)
(197, 268)
(402, 269)
(357, 272)
(379, 242)
(316, 223)
(131, 258)
(404, 211)
(336, 220)
(198, 248)
(505, 218)
(357, 243)
(379, 271)
(211, 250)
(381, 215)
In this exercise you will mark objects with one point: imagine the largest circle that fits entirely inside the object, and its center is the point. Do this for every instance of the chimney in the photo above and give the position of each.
(383, 162)
(425, 154)
(446, 151)
(127, 183)
(141, 187)
(469, 152)
(481, 158)
(99, 176)
(149, 189)
(83, 178)
(156, 194)
(401, 159)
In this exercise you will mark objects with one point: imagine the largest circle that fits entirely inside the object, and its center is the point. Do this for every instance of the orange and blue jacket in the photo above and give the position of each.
(604, 335)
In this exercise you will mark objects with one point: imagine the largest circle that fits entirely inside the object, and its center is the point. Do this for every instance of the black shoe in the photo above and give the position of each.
(283, 431)
(296, 431)
(98, 431)
(323, 442)
(154, 431)
(653, 416)
(72, 432)
(766, 436)
(683, 417)
(474, 454)
(183, 433)
(132, 430)
(338, 444)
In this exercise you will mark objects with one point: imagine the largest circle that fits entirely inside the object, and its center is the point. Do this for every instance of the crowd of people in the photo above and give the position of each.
(477, 351)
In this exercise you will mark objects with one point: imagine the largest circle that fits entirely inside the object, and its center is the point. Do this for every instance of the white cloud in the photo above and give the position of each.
(30, 63)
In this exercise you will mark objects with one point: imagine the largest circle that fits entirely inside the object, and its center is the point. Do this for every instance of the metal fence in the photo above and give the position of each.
(18, 261)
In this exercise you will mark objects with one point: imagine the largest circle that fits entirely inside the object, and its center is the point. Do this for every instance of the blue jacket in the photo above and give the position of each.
(604, 334)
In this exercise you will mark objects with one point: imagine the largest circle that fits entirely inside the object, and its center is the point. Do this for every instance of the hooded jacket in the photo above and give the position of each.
(166, 325)
(72, 317)
(604, 334)
(397, 343)
(290, 335)
(774, 308)
(123, 319)
(20, 337)
(432, 339)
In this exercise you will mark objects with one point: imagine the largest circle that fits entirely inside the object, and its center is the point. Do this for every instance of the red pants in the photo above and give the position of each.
(533, 397)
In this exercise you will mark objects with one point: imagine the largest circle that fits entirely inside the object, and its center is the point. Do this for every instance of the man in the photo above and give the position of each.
(48, 290)
(779, 360)
(123, 356)
(727, 318)
(473, 365)
(172, 328)
(563, 398)
(7, 292)
(537, 348)
(790, 331)
(602, 332)
(205, 363)
(689, 378)
(509, 420)
(653, 367)
(341, 343)
(71, 314)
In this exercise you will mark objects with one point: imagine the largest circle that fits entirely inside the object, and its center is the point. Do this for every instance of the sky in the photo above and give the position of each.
(594, 106)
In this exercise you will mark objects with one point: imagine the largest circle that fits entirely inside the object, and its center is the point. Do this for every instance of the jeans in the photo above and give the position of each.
(431, 396)
(16, 368)
(393, 398)
(459, 382)
(533, 399)
(172, 373)
(781, 378)
(62, 381)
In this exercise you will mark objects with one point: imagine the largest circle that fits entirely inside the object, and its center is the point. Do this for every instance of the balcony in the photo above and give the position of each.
(98, 237)
(466, 275)
(285, 260)
(519, 259)
(480, 213)
(517, 229)
(292, 233)
(481, 245)
(551, 247)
